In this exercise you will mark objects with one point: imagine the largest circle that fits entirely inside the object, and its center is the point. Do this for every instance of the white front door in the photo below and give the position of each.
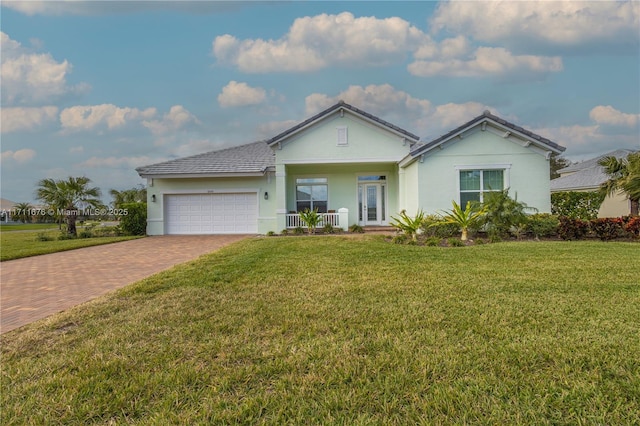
(372, 203)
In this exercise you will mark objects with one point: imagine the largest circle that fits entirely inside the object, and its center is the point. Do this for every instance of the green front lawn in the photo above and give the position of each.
(27, 226)
(15, 245)
(340, 330)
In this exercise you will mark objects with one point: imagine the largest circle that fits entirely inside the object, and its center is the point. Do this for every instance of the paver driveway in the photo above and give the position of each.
(36, 287)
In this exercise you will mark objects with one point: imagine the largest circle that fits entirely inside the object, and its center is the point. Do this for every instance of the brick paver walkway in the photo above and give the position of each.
(36, 287)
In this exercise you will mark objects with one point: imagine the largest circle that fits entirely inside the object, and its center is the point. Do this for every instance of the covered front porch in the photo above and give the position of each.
(344, 194)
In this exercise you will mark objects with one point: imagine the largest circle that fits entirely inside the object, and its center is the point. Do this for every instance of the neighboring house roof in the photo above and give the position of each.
(586, 175)
(250, 159)
(345, 106)
(6, 204)
(497, 121)
(593, 162)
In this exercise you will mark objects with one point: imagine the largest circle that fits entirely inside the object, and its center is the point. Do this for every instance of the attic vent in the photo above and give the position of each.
(342, 136)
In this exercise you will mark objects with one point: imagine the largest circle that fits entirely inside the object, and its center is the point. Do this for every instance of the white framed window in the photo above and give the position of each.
(474, 183)
(312, 193)
(342, 136)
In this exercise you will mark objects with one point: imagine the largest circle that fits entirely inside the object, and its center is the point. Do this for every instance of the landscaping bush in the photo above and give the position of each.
(455, 242)
(572, 229)
(542, 225)
(328, 229)
(64, 236)
(298, 230)
(400, 239)
(107, 231)
(632, 226)
(85, 234)
(432, 226)
(607, 228)
(135, 221)
(503, 214)
(432, 242)
(43, 236)
(356, 229)
(576, 205)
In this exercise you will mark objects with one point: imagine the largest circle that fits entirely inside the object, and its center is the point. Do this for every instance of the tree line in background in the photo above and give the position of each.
(67, 201)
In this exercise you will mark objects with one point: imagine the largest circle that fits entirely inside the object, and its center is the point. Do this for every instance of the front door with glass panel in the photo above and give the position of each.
(372, 200)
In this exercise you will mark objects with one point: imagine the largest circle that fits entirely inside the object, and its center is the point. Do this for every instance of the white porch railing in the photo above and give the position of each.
(294, 220)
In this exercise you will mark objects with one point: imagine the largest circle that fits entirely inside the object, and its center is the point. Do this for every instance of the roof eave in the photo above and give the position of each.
(200, 175)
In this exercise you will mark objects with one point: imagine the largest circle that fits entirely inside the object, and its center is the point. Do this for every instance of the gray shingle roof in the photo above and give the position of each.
(335, 107)
(586, 175)
(487, 116)
(593, 162)
(251, 158)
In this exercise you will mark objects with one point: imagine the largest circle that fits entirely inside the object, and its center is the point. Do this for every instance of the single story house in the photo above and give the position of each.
(587, 176)
(350, 165)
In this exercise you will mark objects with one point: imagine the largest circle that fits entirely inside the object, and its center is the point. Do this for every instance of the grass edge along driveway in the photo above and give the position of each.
(336, 330)
(19, 244)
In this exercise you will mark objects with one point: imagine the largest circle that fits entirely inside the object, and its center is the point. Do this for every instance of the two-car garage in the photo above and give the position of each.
(211, 213)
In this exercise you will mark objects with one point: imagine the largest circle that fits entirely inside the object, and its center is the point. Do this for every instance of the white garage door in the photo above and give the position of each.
(233, 213)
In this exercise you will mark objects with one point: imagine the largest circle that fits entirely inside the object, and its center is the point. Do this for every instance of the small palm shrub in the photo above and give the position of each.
(464, 219)
(407, 224)
(311, 218)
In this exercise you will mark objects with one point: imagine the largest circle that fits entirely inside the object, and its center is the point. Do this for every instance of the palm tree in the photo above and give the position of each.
(624, 176)
(465, 219)
(137, 194)
(66, 197)
(22, 212)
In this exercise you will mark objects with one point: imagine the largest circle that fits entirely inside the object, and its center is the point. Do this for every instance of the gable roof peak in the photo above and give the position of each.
(342, 105)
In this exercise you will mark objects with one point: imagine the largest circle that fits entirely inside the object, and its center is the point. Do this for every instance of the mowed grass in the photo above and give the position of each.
(15, 245)
(339, 330)
(27, 226)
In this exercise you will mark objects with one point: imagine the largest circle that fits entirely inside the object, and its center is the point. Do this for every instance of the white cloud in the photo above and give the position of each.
(20, 156)
(273, 128)
(610, 132)
(89, 117)
(76, 150)
(195, 146)
(449, 116)
(177, 118)
(608, 115)
(487, 61)
(416, 115)
(316, 42)
(543, 25)
(22, 118)
(382, 100)
(237, 94)
(29, 78)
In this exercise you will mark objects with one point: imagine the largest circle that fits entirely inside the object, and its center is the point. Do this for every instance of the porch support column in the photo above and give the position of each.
(281, 197)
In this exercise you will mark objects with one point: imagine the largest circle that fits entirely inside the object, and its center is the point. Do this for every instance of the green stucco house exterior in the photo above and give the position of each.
(350, 165)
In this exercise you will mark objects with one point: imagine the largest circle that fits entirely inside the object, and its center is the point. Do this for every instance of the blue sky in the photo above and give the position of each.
(100, 88)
